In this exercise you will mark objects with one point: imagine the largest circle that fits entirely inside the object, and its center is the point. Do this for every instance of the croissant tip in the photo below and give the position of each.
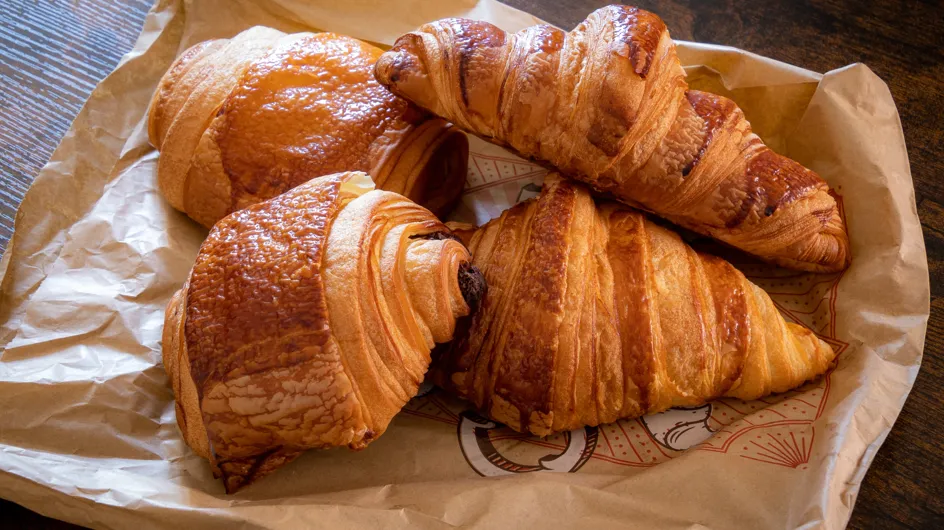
(402, 60)
(382, 68)
(233, 484)
(391, 65)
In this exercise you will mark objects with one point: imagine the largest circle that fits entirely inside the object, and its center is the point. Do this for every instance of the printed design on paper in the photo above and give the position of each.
(776, 430)
(487, 171)
(480, 451)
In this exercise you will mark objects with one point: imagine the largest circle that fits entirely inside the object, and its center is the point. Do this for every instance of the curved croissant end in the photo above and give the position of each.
(594, 314)
(607, 104)
(307, 322)
(241, 120)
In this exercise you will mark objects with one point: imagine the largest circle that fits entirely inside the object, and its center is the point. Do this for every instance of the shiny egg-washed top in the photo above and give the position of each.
(308, 321)
(241, 120)
(309, 107)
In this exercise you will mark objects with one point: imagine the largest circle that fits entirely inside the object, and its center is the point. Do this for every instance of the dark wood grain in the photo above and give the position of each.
(52, 54)
(46, 74)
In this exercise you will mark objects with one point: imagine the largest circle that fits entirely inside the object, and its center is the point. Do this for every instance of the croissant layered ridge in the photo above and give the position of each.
(307, 322)
(607, 104)
(241, 120)
(594, 313)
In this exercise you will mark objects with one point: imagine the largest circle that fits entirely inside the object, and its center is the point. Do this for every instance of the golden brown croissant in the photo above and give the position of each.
(594, 313)
(240, 120)
(307, 322)
(607, 104)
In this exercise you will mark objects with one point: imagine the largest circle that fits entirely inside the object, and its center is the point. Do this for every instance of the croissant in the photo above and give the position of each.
(241, 120)
(607, 104)
(307, 322)
(594, 313)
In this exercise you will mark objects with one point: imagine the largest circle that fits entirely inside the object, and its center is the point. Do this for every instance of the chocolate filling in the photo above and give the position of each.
(471, 281)
(472, 284)
(437, 236)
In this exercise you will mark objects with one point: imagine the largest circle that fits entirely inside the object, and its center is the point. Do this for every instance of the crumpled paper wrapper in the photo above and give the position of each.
(87, 427)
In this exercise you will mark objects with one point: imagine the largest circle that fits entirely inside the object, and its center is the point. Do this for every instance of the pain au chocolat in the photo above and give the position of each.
(307, 323)
(241, 120)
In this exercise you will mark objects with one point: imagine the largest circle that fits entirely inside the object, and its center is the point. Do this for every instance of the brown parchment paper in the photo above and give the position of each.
(87, 428)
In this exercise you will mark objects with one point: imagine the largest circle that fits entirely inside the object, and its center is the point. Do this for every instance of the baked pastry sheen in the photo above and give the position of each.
(607, 104)
(594, 313)
(241, 120)
(307, 322)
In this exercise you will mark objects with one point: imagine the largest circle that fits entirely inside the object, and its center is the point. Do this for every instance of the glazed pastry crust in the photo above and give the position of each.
(241, 120)
(607, 104)
(594, 314)
(307, 322)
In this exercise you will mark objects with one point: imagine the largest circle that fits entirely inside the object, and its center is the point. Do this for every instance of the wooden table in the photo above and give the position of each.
(47, 73)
